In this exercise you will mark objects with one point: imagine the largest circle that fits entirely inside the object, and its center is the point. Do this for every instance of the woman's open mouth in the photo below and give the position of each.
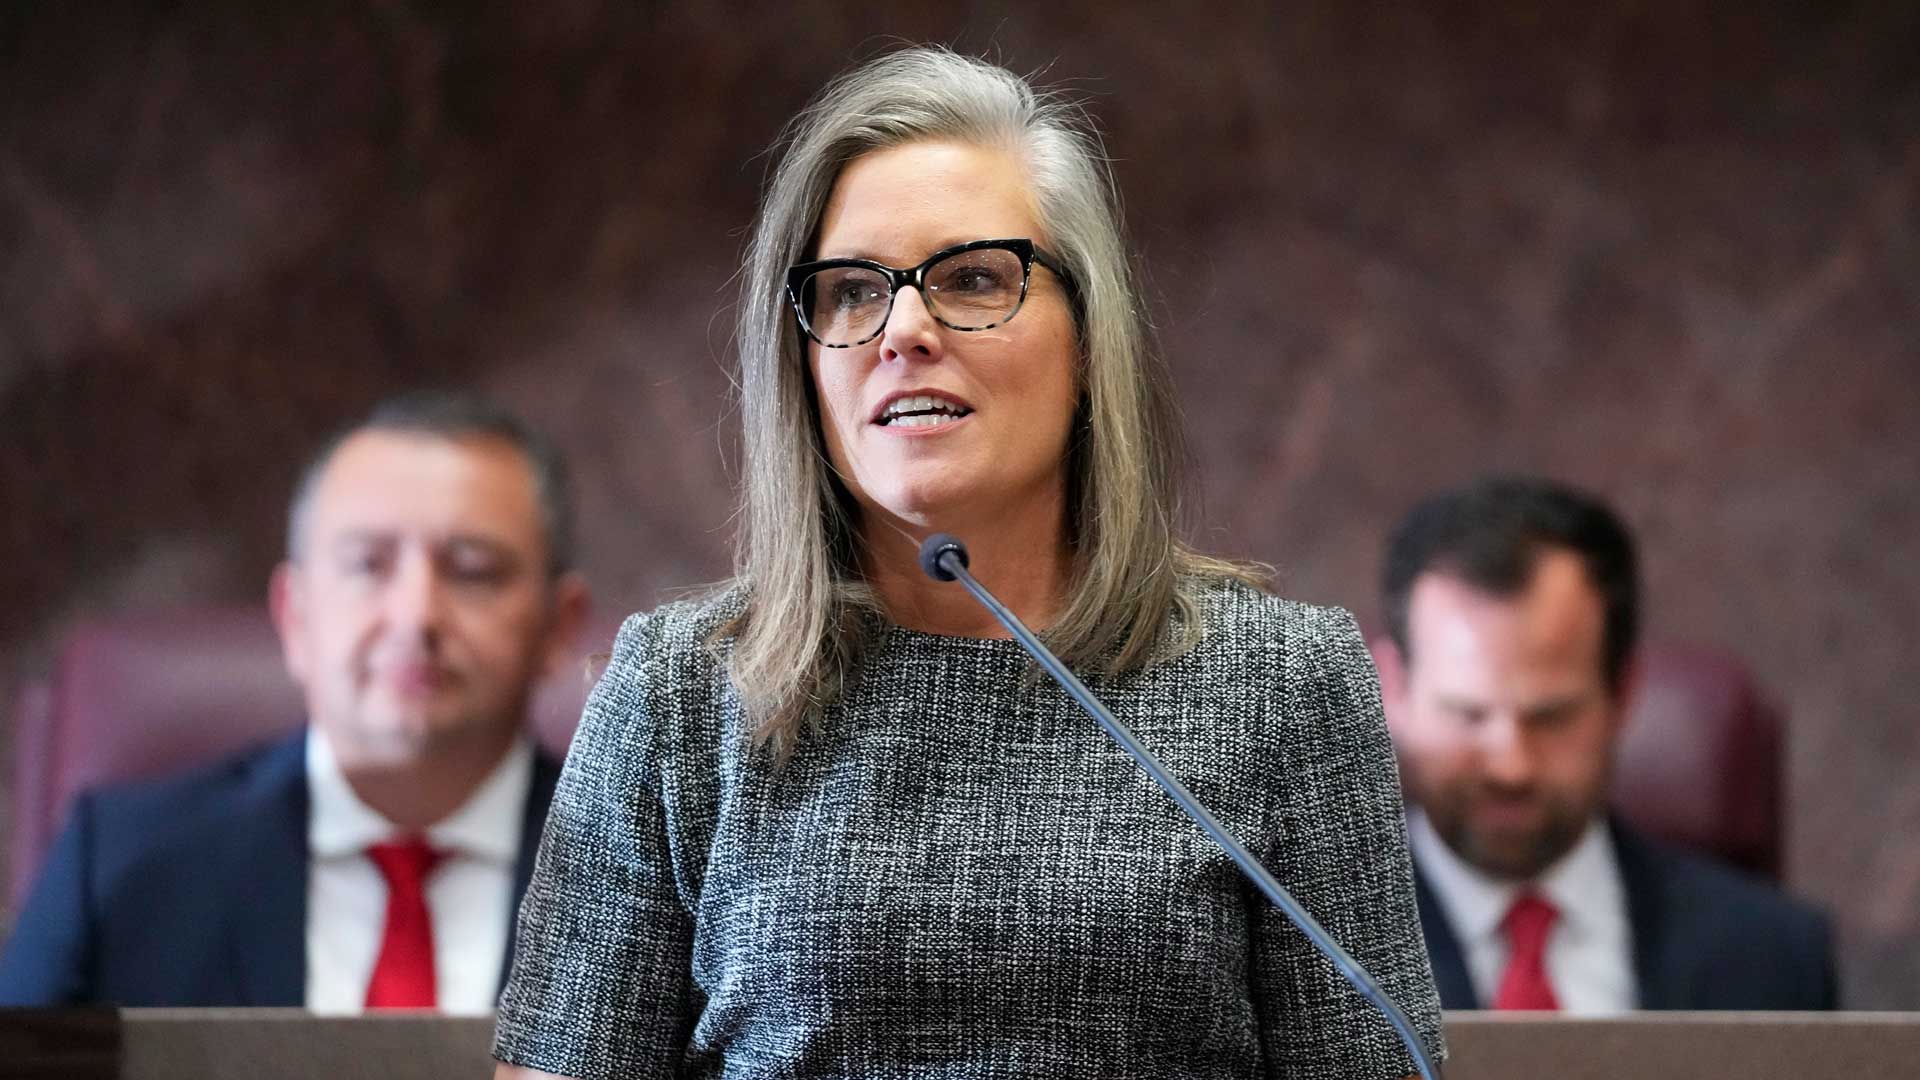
(921, 410)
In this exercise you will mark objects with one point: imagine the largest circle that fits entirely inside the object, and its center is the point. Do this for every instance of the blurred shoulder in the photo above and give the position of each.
(1692, 882)
(239, 792)
(250, 773)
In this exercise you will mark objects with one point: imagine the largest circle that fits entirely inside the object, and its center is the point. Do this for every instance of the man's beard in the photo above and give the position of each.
(1508, 854)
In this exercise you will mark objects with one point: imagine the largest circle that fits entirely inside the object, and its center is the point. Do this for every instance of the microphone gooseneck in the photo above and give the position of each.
(944, 558)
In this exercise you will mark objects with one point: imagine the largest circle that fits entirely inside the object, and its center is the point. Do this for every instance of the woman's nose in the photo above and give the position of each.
(911, 332)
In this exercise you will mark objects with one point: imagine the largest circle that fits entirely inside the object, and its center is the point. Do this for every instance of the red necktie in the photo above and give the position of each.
(1524, 985)
(403, 975)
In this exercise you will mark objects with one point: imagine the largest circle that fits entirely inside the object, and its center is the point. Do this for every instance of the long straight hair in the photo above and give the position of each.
(808, 614)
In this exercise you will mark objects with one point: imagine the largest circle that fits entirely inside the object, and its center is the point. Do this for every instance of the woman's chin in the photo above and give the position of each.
(952, 498)
(933, 504)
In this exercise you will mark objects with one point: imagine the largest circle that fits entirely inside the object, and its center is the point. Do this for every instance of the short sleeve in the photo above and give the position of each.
(600, 982)
(1340, 846)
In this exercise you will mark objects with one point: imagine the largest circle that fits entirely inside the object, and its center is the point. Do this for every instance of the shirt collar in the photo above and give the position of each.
(1584, 885)
(486, 826)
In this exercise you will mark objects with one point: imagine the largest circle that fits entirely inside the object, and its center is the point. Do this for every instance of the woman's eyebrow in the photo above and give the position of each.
(892, 259)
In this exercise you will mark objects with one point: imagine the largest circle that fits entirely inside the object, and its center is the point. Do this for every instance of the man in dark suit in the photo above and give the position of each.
(1513, 607)
(375, 860)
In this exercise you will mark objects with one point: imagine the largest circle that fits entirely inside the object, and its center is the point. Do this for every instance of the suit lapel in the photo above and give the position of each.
(266, 884)
(546, 773)
(1443, 949)
(1655, 970)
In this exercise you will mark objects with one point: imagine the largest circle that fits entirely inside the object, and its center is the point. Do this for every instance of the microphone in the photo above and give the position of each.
(933, 555)
(944, 558)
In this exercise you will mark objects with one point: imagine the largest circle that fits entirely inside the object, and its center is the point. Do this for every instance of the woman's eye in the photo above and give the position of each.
(972, 279)
(853, 294)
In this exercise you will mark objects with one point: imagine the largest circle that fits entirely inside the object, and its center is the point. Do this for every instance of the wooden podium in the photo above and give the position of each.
(1693, 1046)
(241, 1044)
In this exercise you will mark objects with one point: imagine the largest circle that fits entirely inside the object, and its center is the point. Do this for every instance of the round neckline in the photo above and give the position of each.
(905, 633)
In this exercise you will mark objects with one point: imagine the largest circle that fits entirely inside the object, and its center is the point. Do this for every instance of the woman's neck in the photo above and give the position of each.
(1022, 557)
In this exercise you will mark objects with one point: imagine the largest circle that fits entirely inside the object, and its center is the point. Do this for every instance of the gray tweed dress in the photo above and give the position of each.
(961, 875)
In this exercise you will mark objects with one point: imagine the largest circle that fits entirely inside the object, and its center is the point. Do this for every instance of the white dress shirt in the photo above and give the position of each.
(470, 895)
(1590, 949)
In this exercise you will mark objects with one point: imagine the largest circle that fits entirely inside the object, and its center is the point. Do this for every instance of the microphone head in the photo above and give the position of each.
(933, 551)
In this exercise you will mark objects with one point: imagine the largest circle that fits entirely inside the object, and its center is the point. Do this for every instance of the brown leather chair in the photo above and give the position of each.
(138, 696)
(1699, 760)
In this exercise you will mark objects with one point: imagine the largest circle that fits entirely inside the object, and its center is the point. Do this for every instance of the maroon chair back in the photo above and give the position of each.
(1699, 760)
(138, 696)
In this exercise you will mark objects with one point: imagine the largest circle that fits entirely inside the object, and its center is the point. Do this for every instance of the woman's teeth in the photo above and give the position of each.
(922, 410)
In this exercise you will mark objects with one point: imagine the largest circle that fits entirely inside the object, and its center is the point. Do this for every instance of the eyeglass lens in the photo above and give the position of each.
(968, 290)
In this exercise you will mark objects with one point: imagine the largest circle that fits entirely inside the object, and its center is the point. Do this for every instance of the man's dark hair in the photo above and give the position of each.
(1492, 533)
(451, 415)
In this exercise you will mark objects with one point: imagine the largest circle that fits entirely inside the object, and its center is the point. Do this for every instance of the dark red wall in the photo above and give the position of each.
(1668, 251)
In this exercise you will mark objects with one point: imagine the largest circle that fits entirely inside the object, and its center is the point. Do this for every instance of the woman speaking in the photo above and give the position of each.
(829, 821)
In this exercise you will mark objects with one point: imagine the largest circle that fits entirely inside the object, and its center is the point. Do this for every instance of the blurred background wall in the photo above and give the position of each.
(1668, 251)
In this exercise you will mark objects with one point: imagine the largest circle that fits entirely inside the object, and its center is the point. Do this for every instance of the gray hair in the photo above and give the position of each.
(448, 415)
(808, 613)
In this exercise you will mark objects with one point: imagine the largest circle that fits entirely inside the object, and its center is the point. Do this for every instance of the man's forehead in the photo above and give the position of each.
(399, 481)
(1556, 622)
